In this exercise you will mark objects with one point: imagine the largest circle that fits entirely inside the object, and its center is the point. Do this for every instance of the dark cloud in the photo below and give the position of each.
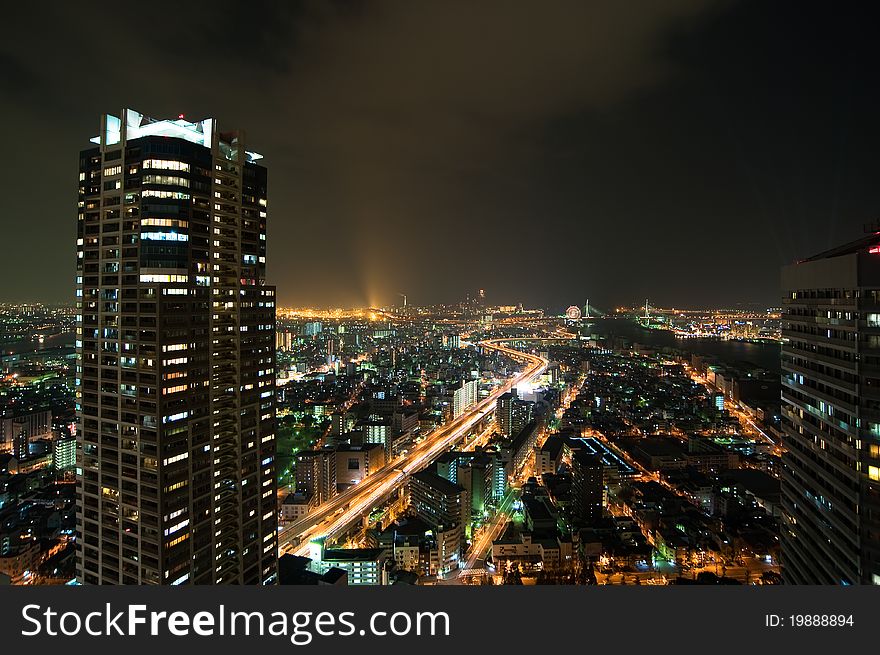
(544, 151)
(15, 78)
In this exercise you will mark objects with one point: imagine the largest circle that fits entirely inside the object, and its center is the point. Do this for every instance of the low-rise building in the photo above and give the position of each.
(363, 566)
(297, 505)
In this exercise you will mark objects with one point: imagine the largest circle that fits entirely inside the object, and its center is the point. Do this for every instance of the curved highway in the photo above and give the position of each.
(339, 512)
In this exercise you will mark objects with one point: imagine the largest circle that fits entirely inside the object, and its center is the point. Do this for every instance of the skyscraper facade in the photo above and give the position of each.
(831, 417)
(175, 346)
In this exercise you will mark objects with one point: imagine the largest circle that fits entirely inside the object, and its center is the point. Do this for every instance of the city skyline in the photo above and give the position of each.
(446, 445)
(368, 295)
(403, 166)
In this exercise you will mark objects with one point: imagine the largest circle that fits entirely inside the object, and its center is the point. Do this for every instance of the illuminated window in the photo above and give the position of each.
(177, 526)
(164, 236)
(175, 459)
(874, 473)
(166, 164)
(164, 222)
(162, 278)
(177, 485)
(166, 179)
(179, 539)
(174, 195)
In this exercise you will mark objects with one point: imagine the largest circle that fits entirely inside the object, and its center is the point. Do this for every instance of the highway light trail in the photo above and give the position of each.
(334, 516)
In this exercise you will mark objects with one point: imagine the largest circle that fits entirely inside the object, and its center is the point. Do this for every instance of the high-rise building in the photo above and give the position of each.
(175, 348)
(64, 453)
(511, 413)
(442, 505)
(19, 428)
(316, 473)
(522, 446)
(379, 432)
(312, 328)
(465, 395)
(451, 341)
(505, 412)
(831, 417)
(473, 471)
(502, 469)
(586, 487)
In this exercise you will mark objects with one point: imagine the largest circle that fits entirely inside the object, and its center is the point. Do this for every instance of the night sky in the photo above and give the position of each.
(675, 150)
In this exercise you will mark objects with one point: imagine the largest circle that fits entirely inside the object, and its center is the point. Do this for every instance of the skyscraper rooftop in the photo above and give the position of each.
(138, 125)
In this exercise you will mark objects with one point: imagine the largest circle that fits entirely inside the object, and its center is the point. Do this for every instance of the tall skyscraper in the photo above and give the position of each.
(175, 347)
(831, 417)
